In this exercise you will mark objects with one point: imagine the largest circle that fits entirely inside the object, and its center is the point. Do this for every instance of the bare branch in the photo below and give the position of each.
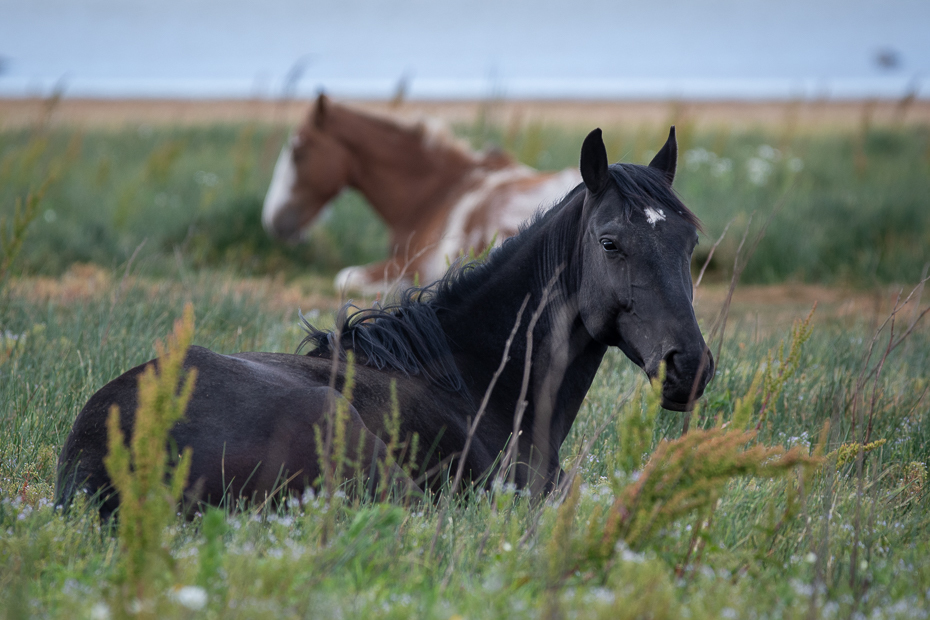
(710, 254)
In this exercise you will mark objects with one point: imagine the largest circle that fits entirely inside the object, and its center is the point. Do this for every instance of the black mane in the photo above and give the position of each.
(407, 336)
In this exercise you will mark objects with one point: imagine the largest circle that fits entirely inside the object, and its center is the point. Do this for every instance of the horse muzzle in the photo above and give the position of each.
(686, 376)
(285, 223)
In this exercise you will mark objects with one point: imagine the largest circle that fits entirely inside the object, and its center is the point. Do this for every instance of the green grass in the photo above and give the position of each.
(492, 553)
(195, 192)
(852, 206)
(846, 541)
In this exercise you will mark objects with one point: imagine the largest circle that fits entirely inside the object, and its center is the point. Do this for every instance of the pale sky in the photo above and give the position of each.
(551, 48)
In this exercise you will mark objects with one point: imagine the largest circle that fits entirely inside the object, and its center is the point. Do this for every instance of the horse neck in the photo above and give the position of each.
(396, 168)
(563, 357)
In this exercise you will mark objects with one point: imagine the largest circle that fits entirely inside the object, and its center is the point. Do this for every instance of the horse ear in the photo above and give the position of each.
(594, 162)
(320, 109)
(666, 160)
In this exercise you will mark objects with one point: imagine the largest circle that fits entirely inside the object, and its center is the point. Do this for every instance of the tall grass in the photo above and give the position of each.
(197, 192)
(715, 523)
(851, 538)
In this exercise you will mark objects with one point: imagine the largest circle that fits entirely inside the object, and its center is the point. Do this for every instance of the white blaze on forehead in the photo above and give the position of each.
(282, 183)
(654, 215)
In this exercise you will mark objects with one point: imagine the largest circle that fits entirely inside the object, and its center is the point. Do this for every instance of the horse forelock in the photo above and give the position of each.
(645, 188)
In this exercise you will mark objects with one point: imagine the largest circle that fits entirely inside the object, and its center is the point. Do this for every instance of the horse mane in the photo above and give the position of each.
(407, 336)
(431, 132)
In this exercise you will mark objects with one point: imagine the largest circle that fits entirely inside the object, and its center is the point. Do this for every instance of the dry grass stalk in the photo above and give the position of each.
(688, 474)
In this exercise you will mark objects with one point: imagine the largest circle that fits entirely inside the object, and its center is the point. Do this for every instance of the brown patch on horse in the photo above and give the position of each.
(438, 197)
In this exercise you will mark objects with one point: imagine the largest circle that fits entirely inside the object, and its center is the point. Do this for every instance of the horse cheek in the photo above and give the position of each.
(603, 296)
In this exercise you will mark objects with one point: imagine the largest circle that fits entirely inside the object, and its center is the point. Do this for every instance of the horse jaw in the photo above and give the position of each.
(279, 193)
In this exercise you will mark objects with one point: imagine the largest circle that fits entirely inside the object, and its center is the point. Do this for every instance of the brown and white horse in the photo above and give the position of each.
(438, 197)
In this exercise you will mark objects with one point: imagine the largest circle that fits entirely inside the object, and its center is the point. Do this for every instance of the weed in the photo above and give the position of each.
(139, 472)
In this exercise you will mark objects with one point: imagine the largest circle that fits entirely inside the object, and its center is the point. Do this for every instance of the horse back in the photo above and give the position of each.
(252, 424)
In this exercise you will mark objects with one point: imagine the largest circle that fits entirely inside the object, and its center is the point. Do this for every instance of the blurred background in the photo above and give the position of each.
(466, 49)
(149, 129)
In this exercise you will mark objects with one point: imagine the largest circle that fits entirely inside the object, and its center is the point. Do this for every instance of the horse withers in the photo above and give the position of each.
(438, 198)
(608, 266)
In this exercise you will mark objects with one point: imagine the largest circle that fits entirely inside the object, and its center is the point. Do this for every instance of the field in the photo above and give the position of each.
(108, 231)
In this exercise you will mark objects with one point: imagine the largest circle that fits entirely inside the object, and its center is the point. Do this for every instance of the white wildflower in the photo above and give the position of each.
(206, 178)
(100, 611)
(602, 595)
(801, 588)
(628, 555)
(759, 170)
(192, 597)
(721, 167)
(769, 153)
(695, 157)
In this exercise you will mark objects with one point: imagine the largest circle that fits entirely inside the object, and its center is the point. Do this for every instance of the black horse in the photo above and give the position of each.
(609, 265)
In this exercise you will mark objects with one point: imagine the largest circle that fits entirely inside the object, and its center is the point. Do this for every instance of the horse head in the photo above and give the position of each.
(635, 288)
(311, 170)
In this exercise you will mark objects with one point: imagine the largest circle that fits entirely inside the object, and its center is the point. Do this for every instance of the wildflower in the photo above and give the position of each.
(628, 555)
(192, 597)
(759, 170)
(100, 611)
(695, 157)
(602, 595)
(801, 588)
(206, 178)
(769, 153)
(721, 167)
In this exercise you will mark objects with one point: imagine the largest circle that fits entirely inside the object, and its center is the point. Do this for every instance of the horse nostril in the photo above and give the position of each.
(686, 375)
(708, 362)
(284, 224)
(671, 372)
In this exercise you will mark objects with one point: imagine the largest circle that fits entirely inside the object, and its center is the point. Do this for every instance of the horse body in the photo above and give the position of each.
(438, 198)
(608, 266)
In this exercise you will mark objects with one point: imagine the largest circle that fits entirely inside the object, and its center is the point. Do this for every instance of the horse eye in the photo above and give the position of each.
(609, 246)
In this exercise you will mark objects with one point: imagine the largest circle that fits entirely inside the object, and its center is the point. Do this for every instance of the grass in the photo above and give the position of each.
(757, 553)
(852, 204)
(847, 539)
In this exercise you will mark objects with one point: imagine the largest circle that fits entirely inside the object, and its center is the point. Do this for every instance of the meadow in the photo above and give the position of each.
(797, 492)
